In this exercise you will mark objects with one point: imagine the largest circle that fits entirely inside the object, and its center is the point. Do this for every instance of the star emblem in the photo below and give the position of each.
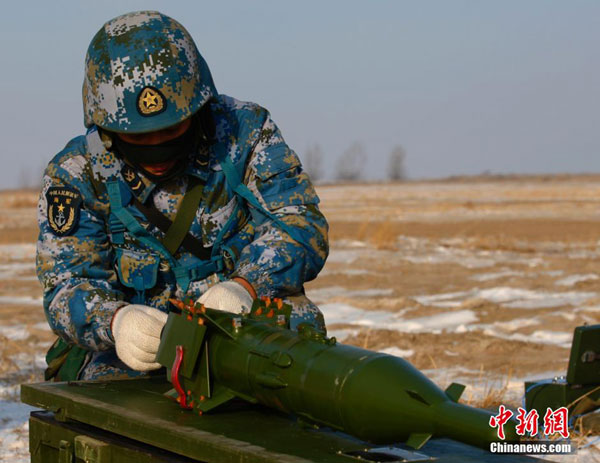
(150, 101)
(61, 208)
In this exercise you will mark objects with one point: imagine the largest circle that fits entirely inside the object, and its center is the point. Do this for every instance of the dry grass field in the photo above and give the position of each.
(479, 281)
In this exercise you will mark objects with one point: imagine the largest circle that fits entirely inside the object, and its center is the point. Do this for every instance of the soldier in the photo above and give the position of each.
(174, 191)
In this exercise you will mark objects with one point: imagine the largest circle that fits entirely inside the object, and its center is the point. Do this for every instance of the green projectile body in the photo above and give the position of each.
(213, 356)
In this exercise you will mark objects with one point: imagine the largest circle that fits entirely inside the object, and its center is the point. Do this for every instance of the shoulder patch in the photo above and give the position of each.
(132, 178)
(64, 204)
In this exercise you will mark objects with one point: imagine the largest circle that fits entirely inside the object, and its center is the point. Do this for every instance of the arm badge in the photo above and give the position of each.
(64, 204)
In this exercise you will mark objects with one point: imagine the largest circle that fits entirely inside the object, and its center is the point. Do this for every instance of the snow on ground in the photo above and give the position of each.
(14, 332)
(397, 352)
(14, 430)
(425, 251)
(24, 252)
(18, 264)
(450, 322)
(16, 270)
(338, 313)
(323, 294)
(517, 298)
(496, 275)
(21, 300)
(574, 279)
(558, 338)
(459, 321)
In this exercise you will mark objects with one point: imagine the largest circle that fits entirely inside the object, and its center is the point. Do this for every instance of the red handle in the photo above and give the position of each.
(175, 377)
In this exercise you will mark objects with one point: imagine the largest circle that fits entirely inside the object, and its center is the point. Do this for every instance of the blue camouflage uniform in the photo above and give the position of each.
(97, 252)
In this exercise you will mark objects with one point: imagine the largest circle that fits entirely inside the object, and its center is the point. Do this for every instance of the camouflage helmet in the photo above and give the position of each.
(143, 72)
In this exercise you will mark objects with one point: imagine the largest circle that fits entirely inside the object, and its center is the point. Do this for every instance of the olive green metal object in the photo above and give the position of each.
(579, 390)
(131, 421)
(214, 356)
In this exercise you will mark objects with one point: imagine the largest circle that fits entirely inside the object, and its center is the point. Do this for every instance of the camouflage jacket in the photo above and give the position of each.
(88, 272)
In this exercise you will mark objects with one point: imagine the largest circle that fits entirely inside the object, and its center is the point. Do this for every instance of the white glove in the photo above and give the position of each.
(136, 329)
(229, 296)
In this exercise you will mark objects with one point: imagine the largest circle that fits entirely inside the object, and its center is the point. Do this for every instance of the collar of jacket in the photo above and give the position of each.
(142, 187)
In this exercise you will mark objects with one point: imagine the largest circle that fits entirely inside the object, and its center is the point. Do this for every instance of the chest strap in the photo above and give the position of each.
(185, 216)
(184, 274)
(177, 232)
(131, 224)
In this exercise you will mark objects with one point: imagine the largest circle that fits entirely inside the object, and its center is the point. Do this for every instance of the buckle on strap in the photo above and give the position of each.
(115, 225)
(117, 229)
(185, 274)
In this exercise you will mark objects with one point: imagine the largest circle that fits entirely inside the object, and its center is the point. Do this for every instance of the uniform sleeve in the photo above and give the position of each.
(75, 262)
(275, 263)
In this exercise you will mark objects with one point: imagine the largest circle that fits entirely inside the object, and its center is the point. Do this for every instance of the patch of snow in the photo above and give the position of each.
(496, 275)
(557, 338)
(338, 313)
(41, 326)
(14, 332)
(323, 294)
(515, 324)
(347, 256)
(21, 300)
(10, 391)
(421, 250)
(29, 362)
(14, 428)
(351, 244)
(444, 299)
(508, 297)
(17, 251)
(588, 308)
(566, 315)
(15, 270)
(397, 352)
(345, 271)
(443, 255)
(574, 279)
(341, 333)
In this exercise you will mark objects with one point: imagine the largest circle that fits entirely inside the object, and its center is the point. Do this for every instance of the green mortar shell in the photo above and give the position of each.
(373, 396)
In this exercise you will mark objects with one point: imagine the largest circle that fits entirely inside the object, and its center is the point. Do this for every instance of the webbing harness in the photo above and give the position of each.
(121, 219)
(124, 220)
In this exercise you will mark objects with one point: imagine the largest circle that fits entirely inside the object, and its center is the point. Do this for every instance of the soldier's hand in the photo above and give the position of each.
(229, 296)
(136, 330)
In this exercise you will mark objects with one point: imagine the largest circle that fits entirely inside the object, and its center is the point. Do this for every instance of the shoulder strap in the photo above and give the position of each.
(234, 180)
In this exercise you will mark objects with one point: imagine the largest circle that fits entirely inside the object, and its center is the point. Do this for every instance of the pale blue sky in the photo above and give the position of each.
(507, 86)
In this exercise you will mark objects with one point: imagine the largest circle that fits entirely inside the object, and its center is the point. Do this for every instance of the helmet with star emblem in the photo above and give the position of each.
(143, 73)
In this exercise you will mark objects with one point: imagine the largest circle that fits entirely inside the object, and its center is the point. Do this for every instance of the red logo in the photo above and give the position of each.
(555, 422)
(528, 422)
(500, 420)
